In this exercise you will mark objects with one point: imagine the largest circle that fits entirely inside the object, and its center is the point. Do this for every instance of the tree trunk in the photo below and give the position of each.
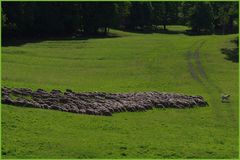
(230, 26)
(105, 30)
(223, 29)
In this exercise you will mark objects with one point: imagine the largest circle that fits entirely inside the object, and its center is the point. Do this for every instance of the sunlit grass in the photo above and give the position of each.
(131, 62)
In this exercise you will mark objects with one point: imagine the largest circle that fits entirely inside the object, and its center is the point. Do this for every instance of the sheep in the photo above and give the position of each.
(225, 97)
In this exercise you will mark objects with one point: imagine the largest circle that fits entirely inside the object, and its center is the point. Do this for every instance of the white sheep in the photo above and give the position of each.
(225, 97)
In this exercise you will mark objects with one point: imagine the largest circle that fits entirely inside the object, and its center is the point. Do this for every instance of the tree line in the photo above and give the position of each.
(39, 19)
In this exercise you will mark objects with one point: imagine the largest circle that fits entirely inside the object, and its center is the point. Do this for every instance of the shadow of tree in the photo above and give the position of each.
(151, 31)
(232, 54)
(187, 32)
(21, 41)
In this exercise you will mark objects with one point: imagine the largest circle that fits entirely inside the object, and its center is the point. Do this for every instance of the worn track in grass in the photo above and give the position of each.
(198, 73)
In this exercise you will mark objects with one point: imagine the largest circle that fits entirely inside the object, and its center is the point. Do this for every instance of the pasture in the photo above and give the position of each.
(126, 62)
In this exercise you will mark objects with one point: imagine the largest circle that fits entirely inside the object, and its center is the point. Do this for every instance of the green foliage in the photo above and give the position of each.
(33, 19)
(201, 17)
(101, 15)
(123, 11)
(132, 62)
(232, 53)
(140, 15)
(165, 13)
(225, 14)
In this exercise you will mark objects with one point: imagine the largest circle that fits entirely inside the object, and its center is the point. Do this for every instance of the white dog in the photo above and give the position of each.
(225, 97)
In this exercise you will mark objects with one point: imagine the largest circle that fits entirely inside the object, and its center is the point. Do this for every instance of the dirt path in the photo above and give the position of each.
(193, 71)
(201, 70)
(198, 73)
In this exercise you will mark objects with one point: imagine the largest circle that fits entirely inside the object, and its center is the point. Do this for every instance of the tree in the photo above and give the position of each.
(123, 11)
(107, 15)
(184, 12)
(159, 14)
(140, 15)
(201, 17)
(13, 18)
(97, 16)
(165, 13)
(225, 16)
(51, 19)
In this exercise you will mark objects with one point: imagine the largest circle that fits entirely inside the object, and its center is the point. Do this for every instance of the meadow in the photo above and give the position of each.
(127, 62)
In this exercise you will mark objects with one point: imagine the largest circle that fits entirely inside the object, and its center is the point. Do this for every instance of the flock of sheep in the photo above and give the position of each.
(97, 103)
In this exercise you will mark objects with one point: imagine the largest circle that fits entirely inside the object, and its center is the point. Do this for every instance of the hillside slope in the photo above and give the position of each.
(128, 63)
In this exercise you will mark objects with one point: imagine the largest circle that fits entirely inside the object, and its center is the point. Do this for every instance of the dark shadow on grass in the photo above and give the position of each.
(149, 31)
(21, 41)
(232, 54)
(167, 31)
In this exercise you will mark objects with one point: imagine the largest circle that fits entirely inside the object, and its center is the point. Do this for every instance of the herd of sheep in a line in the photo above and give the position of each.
(97, 103)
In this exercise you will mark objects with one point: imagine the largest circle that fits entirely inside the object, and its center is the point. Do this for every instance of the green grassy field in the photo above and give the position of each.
(128, 63)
